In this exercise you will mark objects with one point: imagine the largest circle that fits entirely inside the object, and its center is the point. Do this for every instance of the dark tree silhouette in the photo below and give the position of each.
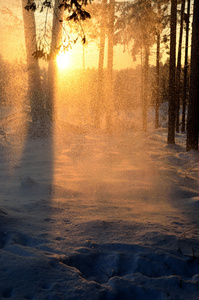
(172, 66)
(193, 108)
(157, 92)
(179, 69)
(186, 67)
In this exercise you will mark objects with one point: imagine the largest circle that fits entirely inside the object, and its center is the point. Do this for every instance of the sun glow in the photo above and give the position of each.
(63, 59)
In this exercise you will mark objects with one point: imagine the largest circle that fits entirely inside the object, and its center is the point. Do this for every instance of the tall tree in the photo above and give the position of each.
(193, 108)
(56, 42)
(179, 68)
(145, 98)
(186, 67)
(161, 23)
(76, 13)
(146, 45)
(172, 67)
(99, 100)
(157, 92)
(109, 99)
(34, 84)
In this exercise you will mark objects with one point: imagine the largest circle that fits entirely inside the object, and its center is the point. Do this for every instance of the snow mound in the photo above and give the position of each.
(27, 182)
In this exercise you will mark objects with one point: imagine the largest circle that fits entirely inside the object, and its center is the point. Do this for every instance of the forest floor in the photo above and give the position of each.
(93, 216)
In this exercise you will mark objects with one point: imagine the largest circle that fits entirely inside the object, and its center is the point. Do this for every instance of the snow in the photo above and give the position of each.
(85, 215)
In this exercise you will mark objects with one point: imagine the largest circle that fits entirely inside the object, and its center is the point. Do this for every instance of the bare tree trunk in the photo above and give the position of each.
(56, 43)
(186, 67)
(109, 101)
(99, 100)
(193, 108)
(178, 71)
(157, 100)
(172, 66)
(146, 46)
(145, 88)
(34, 83)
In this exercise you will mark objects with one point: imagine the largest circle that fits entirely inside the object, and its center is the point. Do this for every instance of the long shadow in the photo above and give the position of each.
(35, 170)
(25, 193)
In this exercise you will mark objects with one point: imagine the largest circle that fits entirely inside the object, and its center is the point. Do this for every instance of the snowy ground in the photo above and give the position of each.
(90, 216)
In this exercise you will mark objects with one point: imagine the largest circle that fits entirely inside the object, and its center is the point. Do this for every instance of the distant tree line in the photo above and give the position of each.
(146, 23)
(143, 24)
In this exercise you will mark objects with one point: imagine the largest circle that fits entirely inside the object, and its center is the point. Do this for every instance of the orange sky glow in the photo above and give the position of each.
(13, 46)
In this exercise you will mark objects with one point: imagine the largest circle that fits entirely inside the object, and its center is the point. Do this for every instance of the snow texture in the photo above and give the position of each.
(90, 216)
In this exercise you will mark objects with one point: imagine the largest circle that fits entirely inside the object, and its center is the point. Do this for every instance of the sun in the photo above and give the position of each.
(63, 59)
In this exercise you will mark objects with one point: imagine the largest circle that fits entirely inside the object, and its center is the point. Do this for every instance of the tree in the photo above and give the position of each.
(105, 92)
(179, 67)
(186, 67)
(109, 99)
(157, 92)
(141, 23)
(99, 100)
(56, 42)
(172, 67)
(193, 107)
(147, 9)
(76, 13)
(161, 20)
(145, 97)
(34, 84)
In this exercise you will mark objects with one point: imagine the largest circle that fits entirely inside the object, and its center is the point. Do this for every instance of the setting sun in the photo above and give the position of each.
(63, 59)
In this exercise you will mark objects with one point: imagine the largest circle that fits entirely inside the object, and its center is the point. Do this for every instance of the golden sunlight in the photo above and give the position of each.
(63, 59)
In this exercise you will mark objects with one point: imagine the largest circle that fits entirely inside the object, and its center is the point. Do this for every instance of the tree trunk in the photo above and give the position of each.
(34, 84)
(193, 108)
(186, 67)
(109, 100)
(178, 72)
(145, 88)
(146, 46)
(56, 42)
(157, 100)
(100, 99)
(172, 66)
